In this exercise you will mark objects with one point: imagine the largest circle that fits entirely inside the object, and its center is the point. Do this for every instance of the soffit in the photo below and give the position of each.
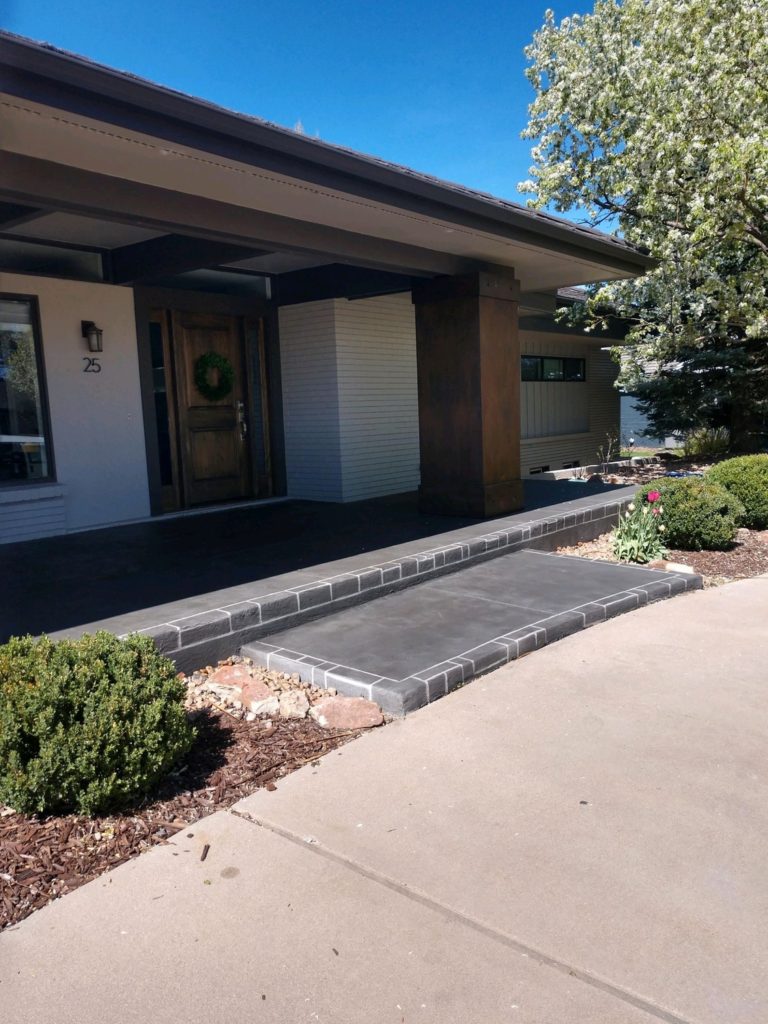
(76, 141)
(89, 231)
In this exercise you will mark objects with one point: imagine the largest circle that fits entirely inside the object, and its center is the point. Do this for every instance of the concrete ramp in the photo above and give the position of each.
(412, 647)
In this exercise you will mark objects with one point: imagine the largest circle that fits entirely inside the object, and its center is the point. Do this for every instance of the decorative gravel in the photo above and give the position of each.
(668, 463)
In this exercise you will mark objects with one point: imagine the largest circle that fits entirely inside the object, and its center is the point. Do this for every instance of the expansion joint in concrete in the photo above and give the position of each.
(310, 843)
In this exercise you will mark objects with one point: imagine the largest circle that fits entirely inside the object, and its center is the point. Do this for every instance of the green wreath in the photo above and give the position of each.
(203, 366)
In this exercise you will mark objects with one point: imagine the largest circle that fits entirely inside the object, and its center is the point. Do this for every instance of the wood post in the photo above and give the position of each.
(468, 354)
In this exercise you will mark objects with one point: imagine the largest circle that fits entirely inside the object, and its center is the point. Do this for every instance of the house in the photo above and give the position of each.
(199, 307)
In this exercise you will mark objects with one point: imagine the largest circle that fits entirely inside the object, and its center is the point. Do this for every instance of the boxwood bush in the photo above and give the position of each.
(698, 514)
(89, 724)
(747, 478)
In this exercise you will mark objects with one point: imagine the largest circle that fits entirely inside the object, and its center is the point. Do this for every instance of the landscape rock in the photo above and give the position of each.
(662, 563)
(258, 698)
(231, 675)
(247, 691)
(679, 567)
(346, 713)
(294, 704)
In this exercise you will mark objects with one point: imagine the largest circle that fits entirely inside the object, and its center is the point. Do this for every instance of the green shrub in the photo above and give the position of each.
(706, 441)
(698, 515)
(87, 725)
(747, 478)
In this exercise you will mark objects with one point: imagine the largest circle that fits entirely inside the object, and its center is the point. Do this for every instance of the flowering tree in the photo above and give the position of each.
(651, 116)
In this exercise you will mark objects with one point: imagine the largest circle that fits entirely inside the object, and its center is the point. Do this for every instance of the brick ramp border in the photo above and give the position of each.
(399, 696)
(203, 638)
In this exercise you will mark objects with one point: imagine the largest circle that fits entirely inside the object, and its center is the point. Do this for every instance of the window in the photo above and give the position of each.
(24, 446)
(531, 368)
(573, 369)
(552, 368)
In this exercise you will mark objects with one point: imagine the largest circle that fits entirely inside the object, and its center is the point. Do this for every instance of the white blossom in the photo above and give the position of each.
(651, 117)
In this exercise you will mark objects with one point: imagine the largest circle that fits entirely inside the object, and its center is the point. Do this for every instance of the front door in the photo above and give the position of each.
(211, 395)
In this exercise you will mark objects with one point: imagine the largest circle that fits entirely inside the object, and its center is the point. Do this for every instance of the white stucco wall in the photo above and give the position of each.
(349, 398)
(96, 418)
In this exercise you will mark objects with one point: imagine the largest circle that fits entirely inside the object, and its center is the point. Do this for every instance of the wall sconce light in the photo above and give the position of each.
(93, 335)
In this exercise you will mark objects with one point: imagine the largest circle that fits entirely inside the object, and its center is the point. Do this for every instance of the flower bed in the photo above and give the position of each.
(746, 559)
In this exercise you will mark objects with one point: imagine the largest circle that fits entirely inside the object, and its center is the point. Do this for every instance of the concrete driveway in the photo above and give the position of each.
(581, 836)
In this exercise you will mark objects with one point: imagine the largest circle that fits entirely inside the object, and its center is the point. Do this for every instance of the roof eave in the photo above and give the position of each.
(29, 58)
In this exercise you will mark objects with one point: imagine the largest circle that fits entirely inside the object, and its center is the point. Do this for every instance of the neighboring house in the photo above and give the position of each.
(635, 426)
(634, 422)
(199, 307)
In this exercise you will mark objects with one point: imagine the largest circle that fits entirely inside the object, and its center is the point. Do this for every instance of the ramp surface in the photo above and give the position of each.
(414, 646)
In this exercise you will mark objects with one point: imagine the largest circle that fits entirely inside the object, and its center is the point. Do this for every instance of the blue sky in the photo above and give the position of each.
(437, 86)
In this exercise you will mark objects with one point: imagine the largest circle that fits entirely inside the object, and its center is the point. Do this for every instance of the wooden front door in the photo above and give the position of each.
(212, 401)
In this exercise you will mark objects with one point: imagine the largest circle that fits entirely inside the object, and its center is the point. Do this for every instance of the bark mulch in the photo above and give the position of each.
(44, 858)
(747, 558)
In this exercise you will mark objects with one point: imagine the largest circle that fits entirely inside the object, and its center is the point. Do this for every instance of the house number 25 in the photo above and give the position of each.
(92, 365)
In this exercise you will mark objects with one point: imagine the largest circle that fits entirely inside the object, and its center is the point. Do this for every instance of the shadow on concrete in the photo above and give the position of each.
(60, 582)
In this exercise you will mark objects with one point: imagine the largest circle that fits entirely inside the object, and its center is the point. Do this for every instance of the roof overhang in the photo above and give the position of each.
(86, 139)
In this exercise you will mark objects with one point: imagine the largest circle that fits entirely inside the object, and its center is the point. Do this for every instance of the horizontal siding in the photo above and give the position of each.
(550, 409)
(310, 401)
(378, 402)
(598, 407)
(350, 400)
(31, 517)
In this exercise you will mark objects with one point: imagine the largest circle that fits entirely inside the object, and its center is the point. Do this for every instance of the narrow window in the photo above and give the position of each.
(552, 369)
(25, 452)
(531, 368)
(573, 369)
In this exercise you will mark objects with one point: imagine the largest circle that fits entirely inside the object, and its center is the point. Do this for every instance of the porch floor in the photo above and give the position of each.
(133, 577)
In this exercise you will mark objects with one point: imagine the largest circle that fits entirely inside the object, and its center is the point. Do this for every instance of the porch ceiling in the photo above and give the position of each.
(79, 230)
(83, 139)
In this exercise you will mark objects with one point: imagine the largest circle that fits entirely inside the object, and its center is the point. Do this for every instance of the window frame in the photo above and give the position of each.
(541, 379)
(42, 383)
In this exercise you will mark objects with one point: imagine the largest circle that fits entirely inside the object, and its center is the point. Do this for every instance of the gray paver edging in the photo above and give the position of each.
(207, 634)
(399, 696)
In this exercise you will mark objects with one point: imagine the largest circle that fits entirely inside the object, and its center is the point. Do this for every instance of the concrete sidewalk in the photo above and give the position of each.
(578, 838)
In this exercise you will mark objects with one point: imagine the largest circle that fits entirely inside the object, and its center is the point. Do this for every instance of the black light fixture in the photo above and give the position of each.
(92, 334)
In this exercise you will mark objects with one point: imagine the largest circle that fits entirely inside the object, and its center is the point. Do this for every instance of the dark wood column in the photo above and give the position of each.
(468, 354)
